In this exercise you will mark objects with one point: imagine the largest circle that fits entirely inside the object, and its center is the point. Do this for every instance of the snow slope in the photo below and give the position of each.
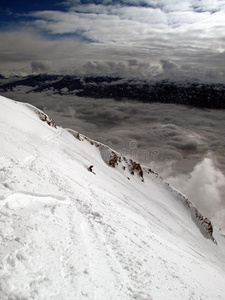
(68, 234)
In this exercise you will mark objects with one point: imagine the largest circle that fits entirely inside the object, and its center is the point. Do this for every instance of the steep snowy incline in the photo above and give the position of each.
(69, 234)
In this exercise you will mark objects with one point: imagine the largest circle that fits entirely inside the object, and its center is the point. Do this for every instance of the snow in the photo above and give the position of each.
(68, 234)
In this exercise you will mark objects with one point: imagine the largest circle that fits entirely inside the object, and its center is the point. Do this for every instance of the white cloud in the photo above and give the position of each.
(166, 30)
(169, 67)
(38, 66)
(208, 5)
(131, 68)
(205, 186)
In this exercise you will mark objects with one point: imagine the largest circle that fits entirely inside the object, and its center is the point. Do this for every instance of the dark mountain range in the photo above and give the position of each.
(187, 93)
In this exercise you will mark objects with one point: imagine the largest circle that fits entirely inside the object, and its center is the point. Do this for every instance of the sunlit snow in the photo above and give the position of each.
(69, 234)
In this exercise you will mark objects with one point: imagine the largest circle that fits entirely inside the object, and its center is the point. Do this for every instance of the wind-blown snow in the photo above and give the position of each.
(69, 234)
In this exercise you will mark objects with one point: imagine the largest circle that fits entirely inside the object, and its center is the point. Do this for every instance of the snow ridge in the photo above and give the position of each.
(116, 160)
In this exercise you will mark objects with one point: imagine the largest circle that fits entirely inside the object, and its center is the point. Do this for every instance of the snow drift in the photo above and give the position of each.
(68, 234)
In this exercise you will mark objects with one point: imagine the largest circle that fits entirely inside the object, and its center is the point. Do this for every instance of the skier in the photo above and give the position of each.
(90, 168)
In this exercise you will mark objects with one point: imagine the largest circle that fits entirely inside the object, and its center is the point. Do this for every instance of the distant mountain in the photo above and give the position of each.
(187, 93)
(121, 233)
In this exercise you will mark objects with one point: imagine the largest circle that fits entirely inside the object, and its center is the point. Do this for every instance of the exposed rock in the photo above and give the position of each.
(46, 119)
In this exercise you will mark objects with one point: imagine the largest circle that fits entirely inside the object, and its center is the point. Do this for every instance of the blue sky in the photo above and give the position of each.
(26, 6)
(143, 38)
(12, 12)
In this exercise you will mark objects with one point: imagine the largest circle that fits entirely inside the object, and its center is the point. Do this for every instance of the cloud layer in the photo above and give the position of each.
(165, 38)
